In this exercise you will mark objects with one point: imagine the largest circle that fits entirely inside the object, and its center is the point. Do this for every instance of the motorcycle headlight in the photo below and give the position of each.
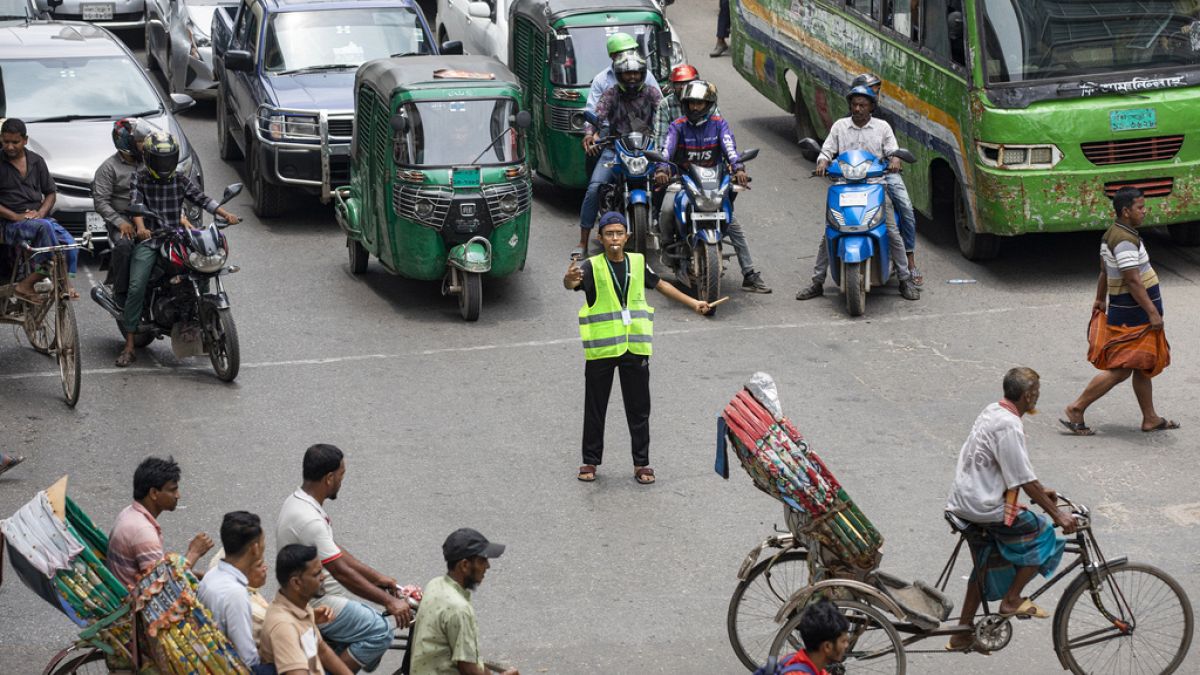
(836, 218)
(856, 172)
(636, 165)
(207, 263)
(708, 201)
(508, 203)
(873, 216)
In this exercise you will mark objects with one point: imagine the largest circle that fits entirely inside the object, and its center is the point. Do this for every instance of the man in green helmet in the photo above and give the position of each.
(618, 43)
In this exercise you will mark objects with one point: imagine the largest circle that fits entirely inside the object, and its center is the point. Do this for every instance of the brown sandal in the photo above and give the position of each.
(13, 460)
(125, 359)
(587, 473)
(644, 475)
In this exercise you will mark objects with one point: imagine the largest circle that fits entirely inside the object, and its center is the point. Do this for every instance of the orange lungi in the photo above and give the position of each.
(1138, 347)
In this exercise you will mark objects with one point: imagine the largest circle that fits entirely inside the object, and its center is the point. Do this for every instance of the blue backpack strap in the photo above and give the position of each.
(721, 466)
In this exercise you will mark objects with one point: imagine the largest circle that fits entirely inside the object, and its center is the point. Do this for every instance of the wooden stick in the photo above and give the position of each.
(714, 303)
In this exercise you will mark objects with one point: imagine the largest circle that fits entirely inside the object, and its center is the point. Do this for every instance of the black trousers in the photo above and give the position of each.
(120, 251)
(723, 19)
(635, 389)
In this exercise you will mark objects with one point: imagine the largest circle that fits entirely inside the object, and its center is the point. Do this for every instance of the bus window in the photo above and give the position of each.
(943, 29)
(901, 16)
(869, 8)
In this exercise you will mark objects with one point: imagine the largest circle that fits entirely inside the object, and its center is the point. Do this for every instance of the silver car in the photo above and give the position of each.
(114, 14)
(178, 44)
(20, 10)
(69, 82)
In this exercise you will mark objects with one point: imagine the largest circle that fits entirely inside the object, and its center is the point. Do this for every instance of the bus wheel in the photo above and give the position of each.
(1185, 234)
(802, 123)
(973, 245)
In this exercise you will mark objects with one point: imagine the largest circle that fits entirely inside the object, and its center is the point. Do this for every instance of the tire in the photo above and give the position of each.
(470, 296)
(750, 621)
(223, 350)
(1145, 589)
(856, 288)
(41, 332)
(227, 147)
(268, 198)
(143, 340)
(973, 245)
(639, 226)
(66, 340)
(875, 645)
(708, 272)
(89, 662)
(358, 256)
(802, 123)
(1185, 234)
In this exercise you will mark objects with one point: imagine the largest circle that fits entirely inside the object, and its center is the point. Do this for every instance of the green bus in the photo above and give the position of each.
(1024, 115)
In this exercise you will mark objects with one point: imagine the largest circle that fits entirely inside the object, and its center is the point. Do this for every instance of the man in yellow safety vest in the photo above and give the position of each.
(616, 326)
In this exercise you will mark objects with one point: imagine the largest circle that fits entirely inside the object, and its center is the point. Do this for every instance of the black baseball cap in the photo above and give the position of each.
(466, 543)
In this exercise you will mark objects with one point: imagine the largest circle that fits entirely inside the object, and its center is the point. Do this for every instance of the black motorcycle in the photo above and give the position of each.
(185, 298)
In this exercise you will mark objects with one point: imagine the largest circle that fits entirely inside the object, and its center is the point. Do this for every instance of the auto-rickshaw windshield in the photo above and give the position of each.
(582, 52)
(450, 133)
(341, 38)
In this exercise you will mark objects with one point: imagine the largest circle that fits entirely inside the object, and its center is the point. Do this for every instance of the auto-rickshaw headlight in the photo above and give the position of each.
(424, 208)
(577, 121)
(508, 203)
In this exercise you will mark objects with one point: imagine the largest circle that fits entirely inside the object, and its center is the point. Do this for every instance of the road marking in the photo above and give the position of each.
(163, 368)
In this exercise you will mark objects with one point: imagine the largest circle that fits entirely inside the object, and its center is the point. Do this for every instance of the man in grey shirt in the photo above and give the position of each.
(110, 193)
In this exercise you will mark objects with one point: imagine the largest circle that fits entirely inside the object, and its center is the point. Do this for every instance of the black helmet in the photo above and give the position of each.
(122, 135)
(161, 155)
(698, 90)
(866, 80)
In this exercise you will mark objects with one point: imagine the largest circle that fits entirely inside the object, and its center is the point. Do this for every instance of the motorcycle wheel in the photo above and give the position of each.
(639, 227)
(856, 288)
(708, 272)
(470, 296)
(223, 349)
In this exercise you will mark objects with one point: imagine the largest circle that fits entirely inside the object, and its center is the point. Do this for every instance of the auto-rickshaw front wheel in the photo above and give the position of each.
(358, 256)
(470, 295)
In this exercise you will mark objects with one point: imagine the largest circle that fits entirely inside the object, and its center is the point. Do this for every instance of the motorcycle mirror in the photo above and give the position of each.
(524, 119)
(810, 145)
(231, 191)
(400, 123)
(904, 155)
(749, 155)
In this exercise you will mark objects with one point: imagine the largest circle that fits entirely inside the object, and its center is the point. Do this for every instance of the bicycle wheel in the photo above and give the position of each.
(67, 339)
(750, 621)
(875, 646)
(1157, 615)
(39, 327)
(87, 662)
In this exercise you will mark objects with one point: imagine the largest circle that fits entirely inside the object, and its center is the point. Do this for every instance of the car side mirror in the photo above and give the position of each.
(239, 60)
(748, 155)
(181, 102)
(479, 10)
(399, 123)
(810, 145)
(904, 155)
(452, 47)
(524, 119)
(231, 191)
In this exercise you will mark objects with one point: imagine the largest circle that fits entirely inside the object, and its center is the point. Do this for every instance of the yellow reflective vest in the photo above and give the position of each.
(602, 327)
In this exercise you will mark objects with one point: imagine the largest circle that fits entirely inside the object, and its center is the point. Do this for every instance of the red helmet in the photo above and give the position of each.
(684, 73)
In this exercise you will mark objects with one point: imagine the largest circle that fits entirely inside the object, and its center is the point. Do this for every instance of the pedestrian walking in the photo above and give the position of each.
(722, 46)
(1125, 336)
(616, 326)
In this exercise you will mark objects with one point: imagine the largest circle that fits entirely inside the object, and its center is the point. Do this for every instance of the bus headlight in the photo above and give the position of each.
(1019, 156)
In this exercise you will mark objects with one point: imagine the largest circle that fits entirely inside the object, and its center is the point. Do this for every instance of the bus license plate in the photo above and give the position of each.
(98, 11)
(95, 222)
(852, 199)
(1132, 120)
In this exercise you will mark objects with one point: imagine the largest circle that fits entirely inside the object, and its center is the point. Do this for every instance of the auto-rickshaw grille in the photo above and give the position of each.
(493, 194)
(560, 118)
(406, 198)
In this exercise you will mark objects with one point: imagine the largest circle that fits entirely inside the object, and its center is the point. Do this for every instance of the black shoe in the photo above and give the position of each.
(811, 291)
(909, 290)
(753, 283)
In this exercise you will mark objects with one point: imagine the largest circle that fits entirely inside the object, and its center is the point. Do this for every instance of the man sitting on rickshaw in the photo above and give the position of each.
(993, 466)
(27, 195)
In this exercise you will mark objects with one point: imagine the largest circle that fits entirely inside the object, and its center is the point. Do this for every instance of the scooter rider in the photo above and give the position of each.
(157, 187)
(702, 137)
(628, 106)
(860, 131)
(893, 183)
(110, 192)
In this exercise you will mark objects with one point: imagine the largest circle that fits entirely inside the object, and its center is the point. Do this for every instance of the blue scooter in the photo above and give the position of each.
(855, 222)
(629, 191)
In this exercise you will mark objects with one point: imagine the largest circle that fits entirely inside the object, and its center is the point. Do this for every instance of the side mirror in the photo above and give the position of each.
(904, 155)
(239, 60)
(654, 156)
(399, 123)
(452, 47)
(181, 102)
(666, 51)
(231, 191)
(524, 119)
(54, 5)
(749, 155)
(810, 145)
(479, 10)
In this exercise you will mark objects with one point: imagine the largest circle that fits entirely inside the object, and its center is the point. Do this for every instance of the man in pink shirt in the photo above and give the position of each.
(136, 544)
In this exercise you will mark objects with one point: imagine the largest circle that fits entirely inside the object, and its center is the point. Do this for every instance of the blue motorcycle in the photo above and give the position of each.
(629, 192)
(855, 222)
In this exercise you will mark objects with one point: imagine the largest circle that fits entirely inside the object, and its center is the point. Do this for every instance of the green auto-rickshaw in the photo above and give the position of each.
(556, 47)
(439, 185)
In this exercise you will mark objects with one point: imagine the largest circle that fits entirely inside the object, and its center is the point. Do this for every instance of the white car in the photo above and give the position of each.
(482, 26)
(112, 14)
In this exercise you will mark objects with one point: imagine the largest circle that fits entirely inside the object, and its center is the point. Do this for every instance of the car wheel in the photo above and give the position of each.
(227, 147)
(268, 198)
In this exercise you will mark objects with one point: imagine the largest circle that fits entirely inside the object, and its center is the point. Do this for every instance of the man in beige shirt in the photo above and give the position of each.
(290, 638)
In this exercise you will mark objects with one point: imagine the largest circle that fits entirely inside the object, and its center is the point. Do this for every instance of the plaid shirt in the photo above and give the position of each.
(166, 198)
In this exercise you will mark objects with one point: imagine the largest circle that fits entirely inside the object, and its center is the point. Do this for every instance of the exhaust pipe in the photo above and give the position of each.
(102, 297)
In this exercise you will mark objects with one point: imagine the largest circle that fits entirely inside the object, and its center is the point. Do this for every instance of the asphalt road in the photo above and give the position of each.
(448, 424)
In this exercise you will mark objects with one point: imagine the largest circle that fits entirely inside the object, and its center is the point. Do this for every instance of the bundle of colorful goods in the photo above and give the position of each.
(182, 636)
(783, 465)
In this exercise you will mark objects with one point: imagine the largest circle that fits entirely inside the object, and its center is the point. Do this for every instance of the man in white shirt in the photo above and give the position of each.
(224, 589)
(993, 466)
(357, 632)
(861, 131)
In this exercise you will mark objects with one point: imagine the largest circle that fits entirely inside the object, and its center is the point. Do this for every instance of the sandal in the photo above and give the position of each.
(34, 298)
(644, 475)
(1077, 428)
(587, 473)
(1027, 610)
(918, 279)
(13, 460)
(125, 359)
(577, 253)
(1164, 424)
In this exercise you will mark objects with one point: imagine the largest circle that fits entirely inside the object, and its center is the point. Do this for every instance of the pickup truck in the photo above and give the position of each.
(285, 98)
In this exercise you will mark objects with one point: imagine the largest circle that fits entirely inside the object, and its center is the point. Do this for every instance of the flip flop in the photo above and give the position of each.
(125, 359)
(1027, 610)
(1077, 428)
(644, 475)
(13, 460)
(949, 647)
(587, 473)
(1164, 424)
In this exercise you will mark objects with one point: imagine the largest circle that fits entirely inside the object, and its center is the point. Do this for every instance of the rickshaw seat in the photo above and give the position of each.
(926, 606)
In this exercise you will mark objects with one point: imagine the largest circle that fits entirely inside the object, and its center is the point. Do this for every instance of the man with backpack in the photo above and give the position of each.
(825, 634)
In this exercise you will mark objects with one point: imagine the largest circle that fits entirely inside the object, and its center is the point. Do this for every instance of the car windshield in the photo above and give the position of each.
(580, 54)
(14, 9)
(450, 133)
(1028, 40)
(341, 38)
(84, 87)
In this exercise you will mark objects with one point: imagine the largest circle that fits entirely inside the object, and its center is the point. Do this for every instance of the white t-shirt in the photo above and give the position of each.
(303, 521)
(993, 460)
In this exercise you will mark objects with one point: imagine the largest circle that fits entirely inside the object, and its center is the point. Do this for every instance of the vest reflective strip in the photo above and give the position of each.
(615, 316)
(613, 341)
